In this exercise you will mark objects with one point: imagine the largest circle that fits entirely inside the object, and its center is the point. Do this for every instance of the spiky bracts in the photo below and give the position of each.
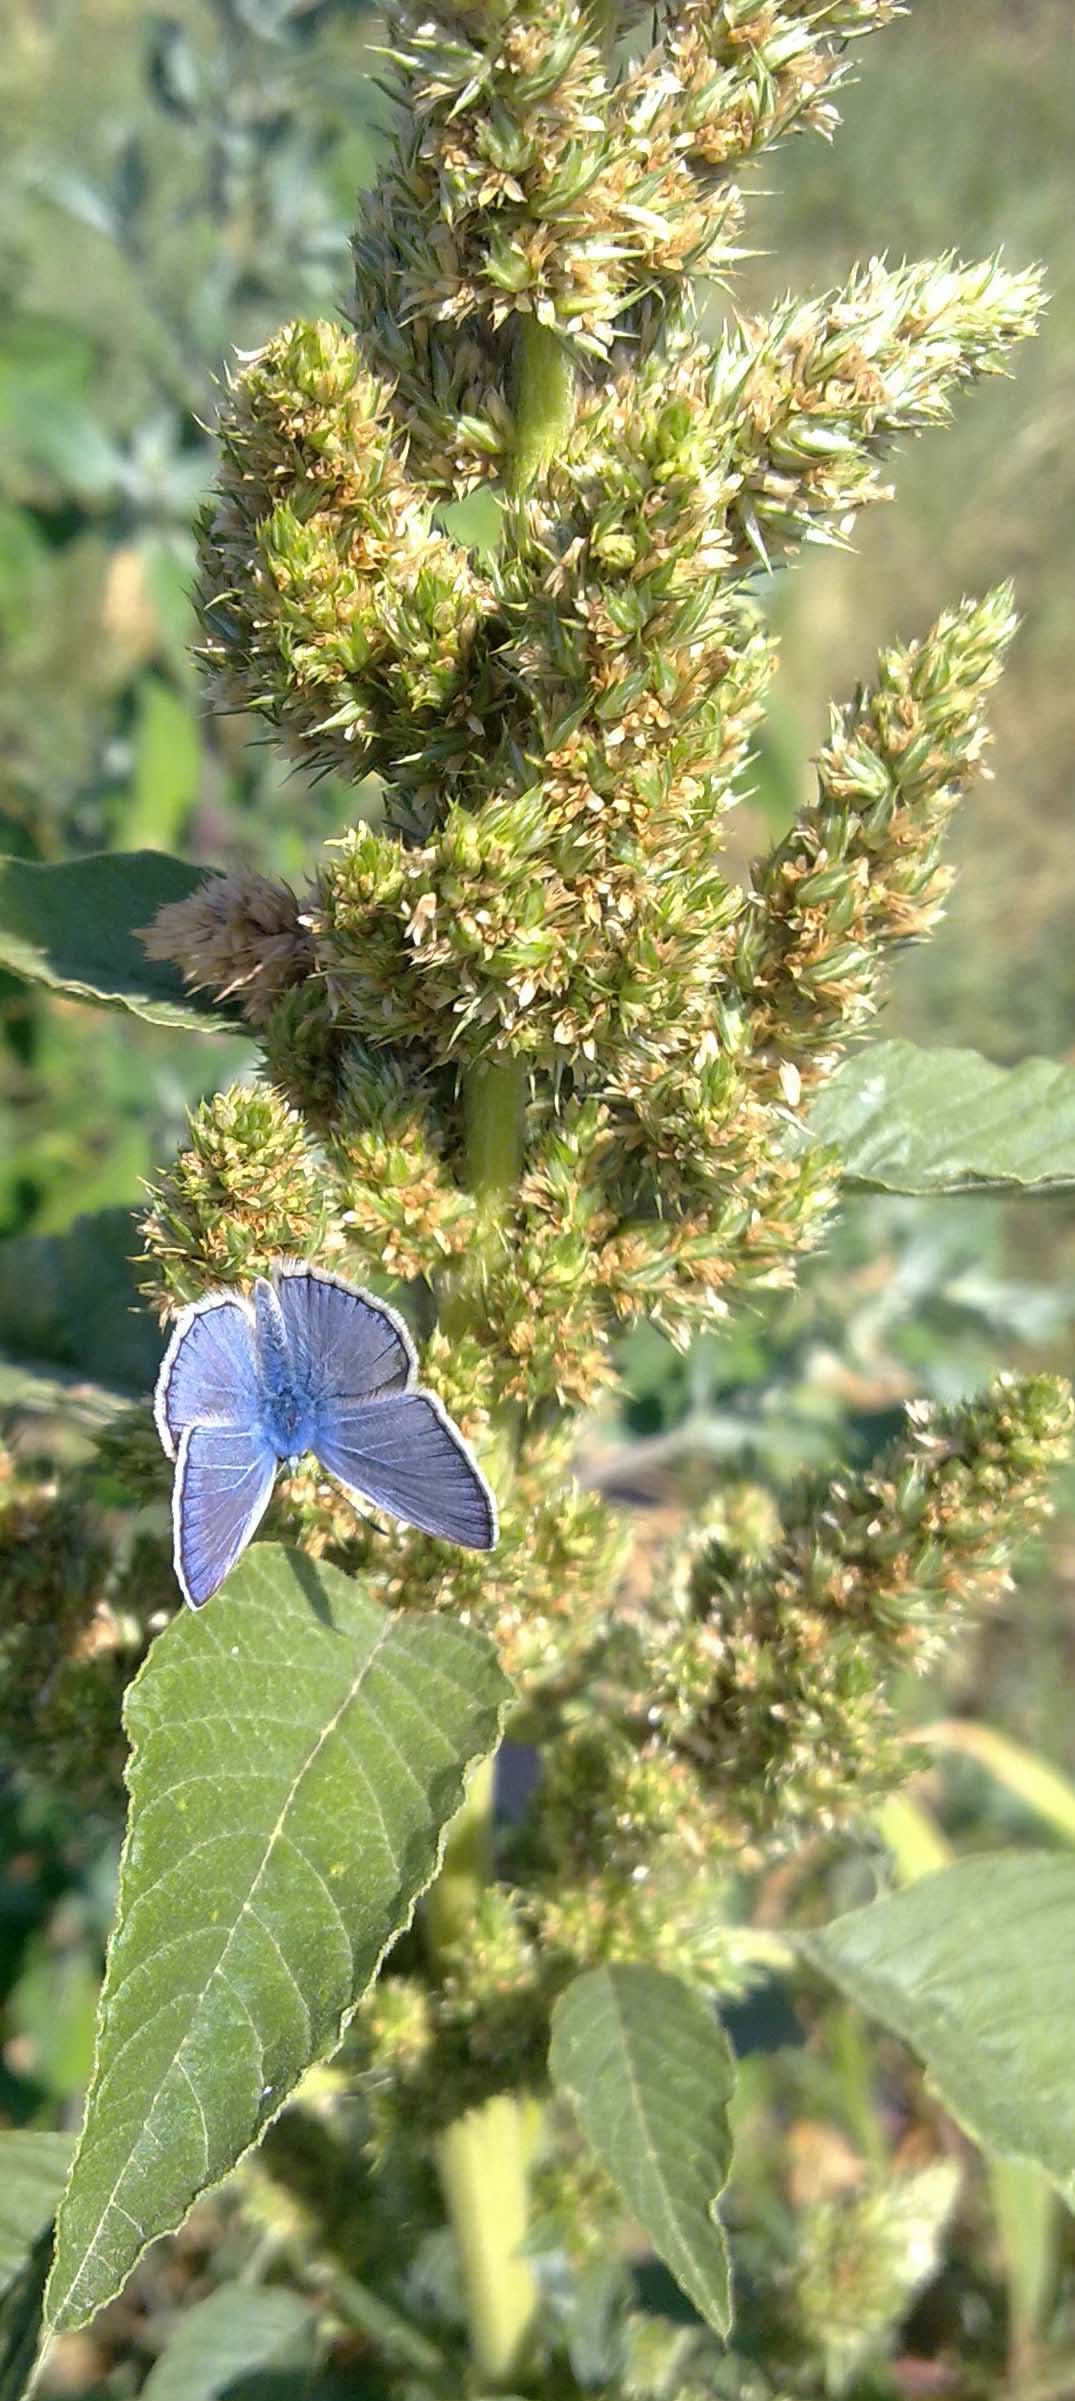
(862, 868)
(239, 936)
(330, 601)
(781, 1673)
(549, 181)
(561, 722)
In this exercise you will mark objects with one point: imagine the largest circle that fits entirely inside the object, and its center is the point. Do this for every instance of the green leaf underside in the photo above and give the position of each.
(972, 1967)
(650, 2073)
(33, 2168)
(74, 925)
(243, 2338)
(296, 1756)
(921, 1121)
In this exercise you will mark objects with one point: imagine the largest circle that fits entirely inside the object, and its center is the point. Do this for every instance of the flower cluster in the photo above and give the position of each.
(862, 867)
(549, 180)
(65, 1654)
(331, 603)
(780, 1669)
(533, 1054)
(245, 1190)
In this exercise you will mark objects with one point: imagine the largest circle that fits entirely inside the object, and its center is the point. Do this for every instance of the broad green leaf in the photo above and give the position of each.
(243, 2339)
(650, 2074)
(167, 767)
(297, 1755)
(973, 1968)
(71, 1300)
(932, 1121)
(75, 926)
(32, 2172)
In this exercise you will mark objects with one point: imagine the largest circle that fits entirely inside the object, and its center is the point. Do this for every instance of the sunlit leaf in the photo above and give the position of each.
(650, 2074)
(933, 1121)
(297, 1754)
(75, 926)
(972, 1967)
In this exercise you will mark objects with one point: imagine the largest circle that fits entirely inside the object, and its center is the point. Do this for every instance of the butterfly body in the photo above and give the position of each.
(309, 1364)
(287, 1403)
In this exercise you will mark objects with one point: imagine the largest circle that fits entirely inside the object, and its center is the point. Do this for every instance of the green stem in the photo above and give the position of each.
(482, 2159)
(494, 1116)
(544, 402)
(494, 1101)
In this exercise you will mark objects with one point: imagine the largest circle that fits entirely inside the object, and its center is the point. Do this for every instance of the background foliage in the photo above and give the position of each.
(173, 185)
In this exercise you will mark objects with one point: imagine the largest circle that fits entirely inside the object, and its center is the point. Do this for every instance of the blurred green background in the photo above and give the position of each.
(173, 184)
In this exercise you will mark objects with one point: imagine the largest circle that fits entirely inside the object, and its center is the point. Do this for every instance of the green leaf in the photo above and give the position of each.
(71, 1300)
(243, 2339)
(297, 1755)
(167, 767)
(650, 2073)
(52, 2006)
(972, 1967)
(32, 2172)
(75, 926)
(921, 1121)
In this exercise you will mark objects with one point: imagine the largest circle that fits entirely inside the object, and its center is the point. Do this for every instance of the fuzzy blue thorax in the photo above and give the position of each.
(287, 1412)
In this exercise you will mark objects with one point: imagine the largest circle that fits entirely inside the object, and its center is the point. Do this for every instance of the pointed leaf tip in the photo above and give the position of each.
(650, 2074)
(297, 1755)
(971, 1966)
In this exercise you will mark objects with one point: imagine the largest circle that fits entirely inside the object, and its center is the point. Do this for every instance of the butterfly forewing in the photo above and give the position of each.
(208, 1375)
(223, 1479)
(244, 1387)
(404, 1454)
(343, 1345)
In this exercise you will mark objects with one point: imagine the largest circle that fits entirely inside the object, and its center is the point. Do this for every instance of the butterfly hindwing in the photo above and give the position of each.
(208, 1375)
(245, 1386)
(343, 1344)
(404, 1454)
(223, 1481)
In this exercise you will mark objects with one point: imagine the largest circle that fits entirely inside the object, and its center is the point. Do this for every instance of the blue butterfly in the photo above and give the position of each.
(309, 1364)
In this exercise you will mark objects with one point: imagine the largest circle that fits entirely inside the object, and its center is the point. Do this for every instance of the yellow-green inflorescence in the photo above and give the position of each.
(534, 1059)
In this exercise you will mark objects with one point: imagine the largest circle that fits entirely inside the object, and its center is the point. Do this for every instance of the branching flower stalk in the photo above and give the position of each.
(534, 1062)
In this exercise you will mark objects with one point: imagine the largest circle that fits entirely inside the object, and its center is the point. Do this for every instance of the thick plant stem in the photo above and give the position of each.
(482, 2158)
(482, 2162)
(544, 402)
(494, 1102)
